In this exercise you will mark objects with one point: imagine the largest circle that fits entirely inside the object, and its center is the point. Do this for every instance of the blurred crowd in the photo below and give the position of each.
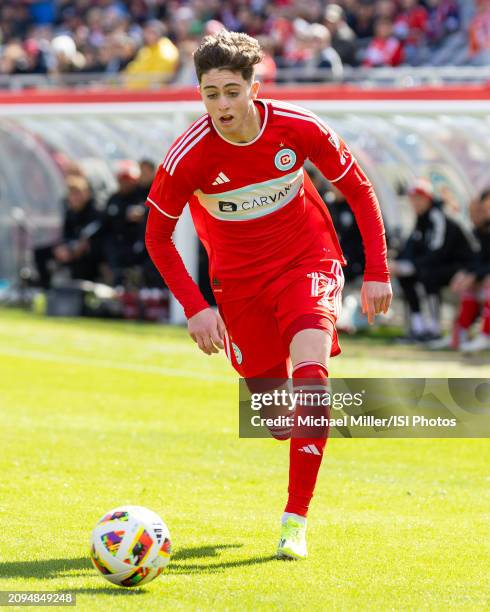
(444, 260)
(150, 42)
(104, 243)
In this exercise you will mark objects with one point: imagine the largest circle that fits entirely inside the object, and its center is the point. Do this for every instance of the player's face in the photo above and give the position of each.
(420, 203)
(486, 208)
(228, 98)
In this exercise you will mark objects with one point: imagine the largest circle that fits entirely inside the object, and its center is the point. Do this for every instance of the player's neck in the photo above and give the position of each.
(250, 128)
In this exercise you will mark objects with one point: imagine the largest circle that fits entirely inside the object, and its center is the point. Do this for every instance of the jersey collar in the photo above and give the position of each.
(262, 128)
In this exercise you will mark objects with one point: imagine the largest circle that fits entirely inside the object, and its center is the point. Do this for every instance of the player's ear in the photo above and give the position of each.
(255, 89)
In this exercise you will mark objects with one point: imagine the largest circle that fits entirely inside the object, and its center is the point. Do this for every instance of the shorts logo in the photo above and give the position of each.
(325, 288)
(227, 206)
(285, 159)
(238, 353)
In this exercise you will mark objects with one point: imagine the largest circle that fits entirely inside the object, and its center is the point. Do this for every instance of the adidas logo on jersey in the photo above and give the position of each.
(220, 179)
(311, 449)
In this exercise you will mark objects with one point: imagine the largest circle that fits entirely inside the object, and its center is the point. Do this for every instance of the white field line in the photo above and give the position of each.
(111, 365)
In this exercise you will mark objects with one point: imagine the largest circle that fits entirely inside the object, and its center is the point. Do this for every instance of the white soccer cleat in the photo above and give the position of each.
(292, 544)
(477, 345)
(441, 344)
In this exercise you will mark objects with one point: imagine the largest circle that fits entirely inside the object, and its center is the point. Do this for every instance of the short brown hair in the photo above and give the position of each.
(228, 51)
(79, 183)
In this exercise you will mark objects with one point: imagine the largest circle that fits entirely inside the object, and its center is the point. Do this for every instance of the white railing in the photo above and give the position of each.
(405, 76)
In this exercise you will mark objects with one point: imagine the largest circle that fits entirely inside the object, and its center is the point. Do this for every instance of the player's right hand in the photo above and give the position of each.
(207, 329)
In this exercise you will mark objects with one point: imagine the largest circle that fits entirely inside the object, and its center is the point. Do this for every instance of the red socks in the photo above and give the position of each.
(307, 442)
(486, 312)
(468, 310)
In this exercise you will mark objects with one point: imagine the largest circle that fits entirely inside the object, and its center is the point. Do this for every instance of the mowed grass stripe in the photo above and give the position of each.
(396, 524)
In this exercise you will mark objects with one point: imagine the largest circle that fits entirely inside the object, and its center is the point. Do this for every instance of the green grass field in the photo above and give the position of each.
(99, 414)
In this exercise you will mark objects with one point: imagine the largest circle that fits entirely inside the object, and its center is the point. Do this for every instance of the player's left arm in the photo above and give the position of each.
(333, 158)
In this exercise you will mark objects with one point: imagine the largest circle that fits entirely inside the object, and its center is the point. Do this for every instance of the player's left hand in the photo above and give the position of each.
(375, 298)
(207, 330)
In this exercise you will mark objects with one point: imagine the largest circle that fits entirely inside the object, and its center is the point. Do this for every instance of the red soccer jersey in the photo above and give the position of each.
(254, 208)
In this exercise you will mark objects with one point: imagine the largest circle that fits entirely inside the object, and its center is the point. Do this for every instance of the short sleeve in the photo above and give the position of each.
(327, 150)
(169, 193)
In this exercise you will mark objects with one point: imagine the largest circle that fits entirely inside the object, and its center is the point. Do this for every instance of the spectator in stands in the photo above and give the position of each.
(79, 248)
(362, 21)
(435, 251)
(386, 9)
(26, 58)
(43, 11)
(15, 20)
(124, 221)
(479, 31)
(147, 174)
(444, 19)
(117, 52)
(186, 73)
(157, 61)
(411, 26)
(321, 62)
(384, 49)
(66, 57)
(14, 59)
(472, 285)
(342, 36)
(266, 71)
(108, 34)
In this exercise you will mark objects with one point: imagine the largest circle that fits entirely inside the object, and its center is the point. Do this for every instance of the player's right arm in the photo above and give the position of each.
(167, 198)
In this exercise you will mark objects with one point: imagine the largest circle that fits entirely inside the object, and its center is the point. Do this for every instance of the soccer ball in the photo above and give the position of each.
(130, 546)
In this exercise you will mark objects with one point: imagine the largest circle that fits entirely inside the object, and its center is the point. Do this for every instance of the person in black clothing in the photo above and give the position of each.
(323, 63)
(435, 251)
(343, 37)
(124, 223)
(147, 174)
(481, 267)
(79, 247)
(472, 284)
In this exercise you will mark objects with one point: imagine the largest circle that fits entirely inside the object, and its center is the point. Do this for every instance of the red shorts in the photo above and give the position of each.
(260, 328)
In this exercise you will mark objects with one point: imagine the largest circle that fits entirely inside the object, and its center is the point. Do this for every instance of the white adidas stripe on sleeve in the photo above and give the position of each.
(189, 135)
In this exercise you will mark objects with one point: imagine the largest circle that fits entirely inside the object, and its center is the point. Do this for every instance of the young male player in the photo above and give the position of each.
(275, 261)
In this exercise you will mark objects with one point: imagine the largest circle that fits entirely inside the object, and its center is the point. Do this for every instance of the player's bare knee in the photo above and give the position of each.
(310, 345)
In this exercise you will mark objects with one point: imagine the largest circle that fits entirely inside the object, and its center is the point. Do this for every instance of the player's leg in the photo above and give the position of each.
(310, 349)
(308, 310)
(481, 342)
(486, 307)
(43, 256)
(252, 342)
(417, 323)
(255, 349)
(433, 280)
(274, 379)
(469, 309)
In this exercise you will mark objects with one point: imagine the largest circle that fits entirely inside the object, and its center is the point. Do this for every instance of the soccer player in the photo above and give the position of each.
(275, 261)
